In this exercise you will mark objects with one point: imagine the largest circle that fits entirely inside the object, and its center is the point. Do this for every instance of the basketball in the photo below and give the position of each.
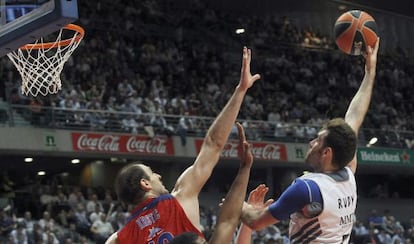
(354, 31)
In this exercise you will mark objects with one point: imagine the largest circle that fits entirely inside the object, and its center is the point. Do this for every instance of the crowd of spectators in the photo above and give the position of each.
(166, 58)
(161, 58)
(75, 214)
(383, 228)
(61, 216)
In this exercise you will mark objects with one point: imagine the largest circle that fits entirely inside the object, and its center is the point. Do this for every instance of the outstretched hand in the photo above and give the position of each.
(371, 58)
(244, 150)
(256, 197)
(255, 203)
(246, 78)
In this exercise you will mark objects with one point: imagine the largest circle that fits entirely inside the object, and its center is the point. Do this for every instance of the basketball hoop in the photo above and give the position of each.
(40, 64)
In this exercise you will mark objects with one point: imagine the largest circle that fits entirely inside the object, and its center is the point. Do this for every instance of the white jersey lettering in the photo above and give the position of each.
(338, 214)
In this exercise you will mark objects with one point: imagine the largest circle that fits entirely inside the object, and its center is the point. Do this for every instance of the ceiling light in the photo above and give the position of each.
(41, 173)
(28, 160)
(240, 31)
(372, 141)
(75, 161)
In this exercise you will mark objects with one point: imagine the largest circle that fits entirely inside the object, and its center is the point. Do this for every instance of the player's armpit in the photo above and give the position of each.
(113, 239)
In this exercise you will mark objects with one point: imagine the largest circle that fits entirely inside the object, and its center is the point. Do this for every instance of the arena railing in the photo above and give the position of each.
(167, 124)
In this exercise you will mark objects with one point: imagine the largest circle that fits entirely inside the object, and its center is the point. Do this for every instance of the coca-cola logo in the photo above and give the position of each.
(108, 143)
(260, 151)
(156, 145)
(270, 151)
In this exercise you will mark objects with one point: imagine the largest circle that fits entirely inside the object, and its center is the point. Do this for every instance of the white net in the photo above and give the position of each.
(40, 64)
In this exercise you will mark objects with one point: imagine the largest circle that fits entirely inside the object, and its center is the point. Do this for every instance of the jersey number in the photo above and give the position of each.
(164, 238)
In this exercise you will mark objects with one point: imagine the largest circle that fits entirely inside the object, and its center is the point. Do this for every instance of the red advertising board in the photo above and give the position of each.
(260, 150)
(108, 143)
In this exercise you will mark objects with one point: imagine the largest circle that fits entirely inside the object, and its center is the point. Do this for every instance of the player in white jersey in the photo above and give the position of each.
(321, 205)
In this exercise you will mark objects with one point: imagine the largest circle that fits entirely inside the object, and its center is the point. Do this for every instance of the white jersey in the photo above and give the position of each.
(334, 223)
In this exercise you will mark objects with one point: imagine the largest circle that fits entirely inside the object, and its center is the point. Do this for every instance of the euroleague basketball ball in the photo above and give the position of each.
(354, 31)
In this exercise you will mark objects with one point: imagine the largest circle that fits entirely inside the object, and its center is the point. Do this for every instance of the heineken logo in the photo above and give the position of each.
(384, 156)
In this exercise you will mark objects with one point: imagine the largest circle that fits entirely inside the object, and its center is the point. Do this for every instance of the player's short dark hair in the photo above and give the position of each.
(127, 183)
(185, 238)
(342, 139)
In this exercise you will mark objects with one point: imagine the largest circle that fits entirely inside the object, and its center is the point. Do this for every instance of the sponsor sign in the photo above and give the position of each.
(263, 151)
(297, 152)
(385, 156)
(50, 141)
(108, 143)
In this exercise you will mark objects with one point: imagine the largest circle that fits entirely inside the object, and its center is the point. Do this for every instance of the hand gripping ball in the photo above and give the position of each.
(354, 31)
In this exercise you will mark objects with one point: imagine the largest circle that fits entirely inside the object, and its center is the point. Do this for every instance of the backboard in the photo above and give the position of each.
(24, 21)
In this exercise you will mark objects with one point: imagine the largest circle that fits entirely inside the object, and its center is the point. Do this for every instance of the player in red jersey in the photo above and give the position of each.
(160, 216)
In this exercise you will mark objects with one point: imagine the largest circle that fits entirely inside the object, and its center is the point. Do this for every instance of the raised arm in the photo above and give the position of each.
(229, 215)
(359, 105)
(189, 184)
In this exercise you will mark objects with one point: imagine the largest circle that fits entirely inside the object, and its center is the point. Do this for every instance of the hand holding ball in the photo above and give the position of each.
(354, 31)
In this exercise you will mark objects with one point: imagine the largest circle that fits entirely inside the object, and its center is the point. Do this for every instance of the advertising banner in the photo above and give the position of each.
(385, 156)
(108, 143)
(260, 150)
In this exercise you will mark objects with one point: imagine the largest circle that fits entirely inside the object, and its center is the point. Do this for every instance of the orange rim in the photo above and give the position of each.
(80, 32)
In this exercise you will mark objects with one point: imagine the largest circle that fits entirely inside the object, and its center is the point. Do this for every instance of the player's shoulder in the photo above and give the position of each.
(302, 187)
(341, 175)
(305, 184)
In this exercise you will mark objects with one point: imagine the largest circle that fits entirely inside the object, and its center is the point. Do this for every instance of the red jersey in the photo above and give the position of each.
(156, 221)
